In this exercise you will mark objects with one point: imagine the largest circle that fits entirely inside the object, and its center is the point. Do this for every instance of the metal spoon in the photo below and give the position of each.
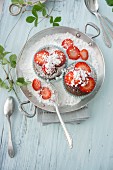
(93, 7)
(69, 139)
(55, 104)
(8, 111)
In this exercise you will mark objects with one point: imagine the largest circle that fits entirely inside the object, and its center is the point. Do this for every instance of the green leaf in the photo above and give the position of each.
(29, 3)
(5, 53)
(57, 19)
(34, 12)
(11, 87)
(38, 7)
(51, 19)
(3, 84)
(1, 56)
(109, 2)
(21, 2)
(15, 1)
(44, 12)
(41, 4)
(5, 61)
(1, 49)
(30, 19)
(55, 24)
(12, 59)
(112, 9)
(21, 82)
(36, 22)
(0, 81)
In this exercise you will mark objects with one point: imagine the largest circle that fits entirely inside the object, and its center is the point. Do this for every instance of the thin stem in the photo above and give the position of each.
(5, 71)
(52, 8)
(12, 30)
(10, 81)
(16, 95)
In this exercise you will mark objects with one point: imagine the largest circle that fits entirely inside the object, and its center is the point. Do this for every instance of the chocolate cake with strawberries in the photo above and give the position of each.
(79, 79)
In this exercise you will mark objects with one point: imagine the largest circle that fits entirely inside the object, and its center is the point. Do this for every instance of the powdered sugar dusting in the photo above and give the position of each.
(55, 39)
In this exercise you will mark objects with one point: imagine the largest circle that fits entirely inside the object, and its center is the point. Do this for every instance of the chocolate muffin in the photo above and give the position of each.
(80, 79)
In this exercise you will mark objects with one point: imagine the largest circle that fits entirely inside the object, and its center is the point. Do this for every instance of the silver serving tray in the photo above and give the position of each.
(101, 72)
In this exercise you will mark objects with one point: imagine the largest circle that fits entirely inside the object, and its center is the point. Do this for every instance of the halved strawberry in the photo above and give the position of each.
(45, 93)
(69, 77)
(49, 70)
(73, 53)
(61, 56)
(36, 84)
(76, 82)
(67, 43)
(39, 57)
(84, 54)
(89, 86)
(83, 66)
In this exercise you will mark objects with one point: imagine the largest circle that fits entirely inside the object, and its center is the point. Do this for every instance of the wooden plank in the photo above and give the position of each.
(40, 147)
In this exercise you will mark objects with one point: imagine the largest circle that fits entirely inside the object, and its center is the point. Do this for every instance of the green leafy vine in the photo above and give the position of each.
(8, 60)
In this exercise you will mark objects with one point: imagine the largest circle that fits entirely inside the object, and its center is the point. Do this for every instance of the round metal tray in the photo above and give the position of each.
(78, 34)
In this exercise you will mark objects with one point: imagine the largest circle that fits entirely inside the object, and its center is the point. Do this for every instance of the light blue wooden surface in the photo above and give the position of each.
(44, 147)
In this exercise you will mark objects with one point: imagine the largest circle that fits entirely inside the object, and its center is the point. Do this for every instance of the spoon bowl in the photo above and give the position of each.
(92, 5)
(9, 106)
(8, 111)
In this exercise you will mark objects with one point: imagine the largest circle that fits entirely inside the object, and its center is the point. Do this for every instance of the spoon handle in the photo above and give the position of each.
(10, 144)
(105, 36)
(108, 20)
(69, 139)
(106, 25)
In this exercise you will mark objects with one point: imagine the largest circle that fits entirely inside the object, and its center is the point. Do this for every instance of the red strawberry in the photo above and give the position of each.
(61, 56)
(76, 82)
(36, 84)
(68, 77)
(67, 43)
(46, 93)
(73, 53)
(39, 57)
(49, 70)
(84, 54)
(44, 69)
(83, 66)
(89, 86)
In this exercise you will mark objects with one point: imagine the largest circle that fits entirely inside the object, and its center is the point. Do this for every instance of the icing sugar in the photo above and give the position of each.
(51, 61)
(56, 39)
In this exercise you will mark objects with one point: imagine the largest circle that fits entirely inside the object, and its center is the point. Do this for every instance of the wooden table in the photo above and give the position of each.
(40, 147)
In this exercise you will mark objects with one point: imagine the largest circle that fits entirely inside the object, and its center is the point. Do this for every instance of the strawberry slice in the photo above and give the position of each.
(89, 86)
(45, 93)
(83, 66)
(73, 53)
(84, 54)
(69, 77)
(36, 84)
(76, 82)
(67, 43)
(39, 57)
(49, 70)
(61, 56)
